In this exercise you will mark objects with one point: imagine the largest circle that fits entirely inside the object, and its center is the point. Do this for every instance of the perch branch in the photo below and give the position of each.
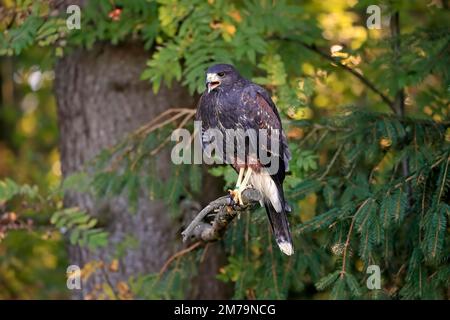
(225, 211)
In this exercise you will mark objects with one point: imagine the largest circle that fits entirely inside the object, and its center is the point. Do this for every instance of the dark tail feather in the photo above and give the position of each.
(280, 228)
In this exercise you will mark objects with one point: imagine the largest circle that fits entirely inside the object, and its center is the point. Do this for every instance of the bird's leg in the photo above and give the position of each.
(237, 194)
(234, 192)
(240, 176)
(244, 184)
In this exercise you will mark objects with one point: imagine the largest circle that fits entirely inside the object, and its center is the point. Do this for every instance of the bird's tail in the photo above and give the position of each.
(280, 228)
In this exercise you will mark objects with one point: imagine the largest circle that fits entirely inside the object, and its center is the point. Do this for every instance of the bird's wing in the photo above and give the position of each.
(198, 114)
(259, 112)
(204, 114)
(268, 99)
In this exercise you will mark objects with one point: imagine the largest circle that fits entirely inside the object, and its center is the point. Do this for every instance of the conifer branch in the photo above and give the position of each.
(442, 186)
(347, 241)
(399, 102)
(346, 245)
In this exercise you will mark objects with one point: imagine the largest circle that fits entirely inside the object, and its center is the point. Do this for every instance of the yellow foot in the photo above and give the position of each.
(236, 195)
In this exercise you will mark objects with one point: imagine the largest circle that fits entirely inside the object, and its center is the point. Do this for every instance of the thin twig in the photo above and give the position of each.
(309, 135)
(349, 174)
(178, 255)
(441, 189)
(364, 80)
(147, 128)
(333, 160)
(399, 102)
(318, 142)
(181, 125)
(150, 128)
(109, 282)
(347, 243)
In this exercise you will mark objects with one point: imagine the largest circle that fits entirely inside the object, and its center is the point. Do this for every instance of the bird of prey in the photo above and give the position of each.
(232, 102)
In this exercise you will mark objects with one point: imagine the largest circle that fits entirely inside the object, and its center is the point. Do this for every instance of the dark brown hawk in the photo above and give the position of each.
(231, 102)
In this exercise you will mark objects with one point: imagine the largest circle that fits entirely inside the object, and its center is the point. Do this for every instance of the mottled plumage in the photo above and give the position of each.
(233, 102)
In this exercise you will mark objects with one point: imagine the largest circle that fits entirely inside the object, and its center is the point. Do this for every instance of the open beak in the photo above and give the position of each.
(212, 81)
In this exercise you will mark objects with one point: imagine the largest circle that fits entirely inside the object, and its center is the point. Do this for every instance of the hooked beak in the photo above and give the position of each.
(212, 81)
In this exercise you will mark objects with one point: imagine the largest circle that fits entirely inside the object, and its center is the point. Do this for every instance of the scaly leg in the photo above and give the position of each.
(237, 193)
(246, 179)
(241, 175)
(234, 193)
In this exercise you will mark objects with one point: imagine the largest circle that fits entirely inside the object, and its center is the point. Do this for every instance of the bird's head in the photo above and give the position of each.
(220, 76)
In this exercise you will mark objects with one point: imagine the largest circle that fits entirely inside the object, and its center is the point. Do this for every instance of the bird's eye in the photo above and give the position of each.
(221, 74)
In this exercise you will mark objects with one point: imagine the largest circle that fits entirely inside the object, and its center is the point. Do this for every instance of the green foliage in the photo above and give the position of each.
(380, 206)
(80, 227)
(129, 169)
(172, 285)
(9, 189)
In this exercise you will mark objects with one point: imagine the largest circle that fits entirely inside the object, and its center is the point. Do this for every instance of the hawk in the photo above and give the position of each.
(231, 102)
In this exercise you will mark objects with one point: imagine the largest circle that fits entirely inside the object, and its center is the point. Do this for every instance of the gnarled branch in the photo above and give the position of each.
(224, 210)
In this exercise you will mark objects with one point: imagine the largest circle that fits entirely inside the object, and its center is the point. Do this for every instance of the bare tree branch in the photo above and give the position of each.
(224, 210)
(178, 255)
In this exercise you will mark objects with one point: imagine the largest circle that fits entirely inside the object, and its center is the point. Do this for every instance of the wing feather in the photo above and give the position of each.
(260, 112)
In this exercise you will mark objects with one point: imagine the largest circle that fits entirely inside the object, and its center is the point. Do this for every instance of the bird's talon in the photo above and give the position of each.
(233, 195)
(236, 196)
(240, 198)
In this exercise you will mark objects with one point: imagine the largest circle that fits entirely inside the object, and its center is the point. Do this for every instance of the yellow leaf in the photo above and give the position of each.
(228, 28)
(295, 133)
(236, 15)
(428, 110)
(89, 268)
(215, 25)
(339, 54)
(359, 265)
(124, 291)
(300, 113)
(352, 61)
(308, 68)
(385, 142)
(114, 266)
(447, 135)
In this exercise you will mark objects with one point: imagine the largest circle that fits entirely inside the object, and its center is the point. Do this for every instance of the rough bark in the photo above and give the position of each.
(100, 99)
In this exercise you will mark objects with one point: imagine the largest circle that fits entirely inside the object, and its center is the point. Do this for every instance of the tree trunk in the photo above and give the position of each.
(100, 99)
